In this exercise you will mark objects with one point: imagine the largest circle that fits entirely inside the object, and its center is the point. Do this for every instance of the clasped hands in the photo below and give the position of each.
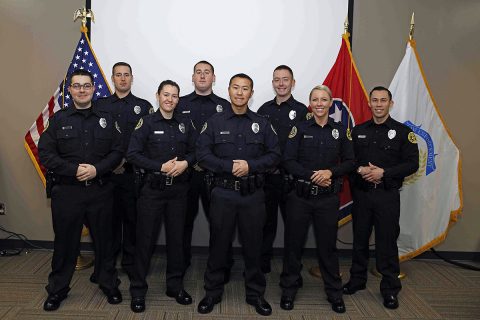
(86, 172)
(322, 178)
(240, 168)
(371, 173)
(174, 167)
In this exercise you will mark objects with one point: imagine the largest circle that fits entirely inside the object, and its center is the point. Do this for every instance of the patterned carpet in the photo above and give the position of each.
(431, 290)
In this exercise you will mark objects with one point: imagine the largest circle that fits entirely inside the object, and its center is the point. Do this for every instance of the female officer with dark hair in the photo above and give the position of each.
(318, 153)
(163, 145)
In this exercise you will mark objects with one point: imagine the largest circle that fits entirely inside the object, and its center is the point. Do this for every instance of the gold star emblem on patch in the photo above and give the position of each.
(412, 138)
(139, 124)
(293, 133)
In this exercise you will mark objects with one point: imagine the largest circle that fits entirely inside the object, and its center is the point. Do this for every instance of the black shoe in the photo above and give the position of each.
(286, 303)
(261, 305)
(138, 304)
(390, 302)
(53, 302)
(182, 297)
(337, 305)
(207, 304)
(348, 288)
(266, 268)
(93, 278)
(227, 275)
(114, 296)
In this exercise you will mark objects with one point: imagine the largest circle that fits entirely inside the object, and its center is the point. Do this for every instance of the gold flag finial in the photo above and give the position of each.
(412, 26)
(83, 13)
(345, 26)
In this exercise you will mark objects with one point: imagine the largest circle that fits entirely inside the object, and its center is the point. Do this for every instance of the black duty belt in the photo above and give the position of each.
(67, 180)
(225, 183)
(306, 189)
(372, 186)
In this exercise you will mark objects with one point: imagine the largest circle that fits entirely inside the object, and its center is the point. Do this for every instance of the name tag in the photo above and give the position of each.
(186, 111)
(307, 137)
(158, 132)
(225, 132)
(67, 128)
(361, 136)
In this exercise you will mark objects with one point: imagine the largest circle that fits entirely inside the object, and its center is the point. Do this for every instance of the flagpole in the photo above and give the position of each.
(83, 262)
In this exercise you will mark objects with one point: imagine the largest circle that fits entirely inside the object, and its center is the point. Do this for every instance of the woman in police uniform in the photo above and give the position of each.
(318, 154)
(163, 146)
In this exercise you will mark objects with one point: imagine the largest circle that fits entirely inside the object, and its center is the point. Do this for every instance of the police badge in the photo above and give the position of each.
(292, 114)
(137, 109)
(102, 122)
(255, 127)
(181, 127)
(219, 108)
(391, 134)
(335, 134)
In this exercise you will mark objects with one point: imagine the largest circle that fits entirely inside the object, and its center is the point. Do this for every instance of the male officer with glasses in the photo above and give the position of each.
(80, 147)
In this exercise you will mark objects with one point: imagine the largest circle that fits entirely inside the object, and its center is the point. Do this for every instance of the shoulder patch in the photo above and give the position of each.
(117, 127)
(151, 110)
(204, 127)
(293, 132)
(193, 124)
(349, 134)
(273, 129)
(309, 116)
(139, 124)
(412, 138)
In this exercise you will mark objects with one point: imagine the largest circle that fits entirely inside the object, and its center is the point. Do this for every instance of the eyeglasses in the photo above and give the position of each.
(85, 86)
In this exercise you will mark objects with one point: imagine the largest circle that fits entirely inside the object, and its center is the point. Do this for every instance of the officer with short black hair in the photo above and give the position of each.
(318, 154)
(163, 146)
(127, 109)
(80, 147)
(386, 152)
(237, 146)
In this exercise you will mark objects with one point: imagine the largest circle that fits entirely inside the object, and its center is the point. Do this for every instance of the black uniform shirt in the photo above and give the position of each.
(200, 108)
(78, 136)
(312, 147)
(283, 117)
(157, 140)
(128, 110)
(390, 145)
(227, 136)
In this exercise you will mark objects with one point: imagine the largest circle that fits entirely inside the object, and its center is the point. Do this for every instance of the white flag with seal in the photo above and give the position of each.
(431, 198)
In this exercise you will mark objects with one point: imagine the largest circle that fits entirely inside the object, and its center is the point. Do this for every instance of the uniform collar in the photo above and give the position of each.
(129, 98)
(192, 96)
(229, 113)
(330, 122)
(72, 110)
(158, 116)
(389, 123)
(290, 101)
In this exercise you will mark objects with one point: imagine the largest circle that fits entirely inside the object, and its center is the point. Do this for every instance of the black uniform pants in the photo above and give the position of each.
(274, 198)
(377, 208)
(124, 218)
(72, 206)
(152, 205)
(228, 208)
(324, 213)
(198, 189)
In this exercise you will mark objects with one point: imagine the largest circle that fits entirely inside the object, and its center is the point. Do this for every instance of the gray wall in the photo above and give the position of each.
(37, 39)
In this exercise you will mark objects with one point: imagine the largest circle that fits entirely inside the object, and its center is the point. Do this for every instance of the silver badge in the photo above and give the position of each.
(255, 127)
(181, 127)
(335, 134)
(219, 108)
(292, 114)
(391, 134)
(137, 109)
(103, 122)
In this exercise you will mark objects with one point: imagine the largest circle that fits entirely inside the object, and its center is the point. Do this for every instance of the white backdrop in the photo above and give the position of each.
(164, 39)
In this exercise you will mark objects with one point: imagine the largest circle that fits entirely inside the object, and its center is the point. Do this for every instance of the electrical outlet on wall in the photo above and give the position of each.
(3, 209)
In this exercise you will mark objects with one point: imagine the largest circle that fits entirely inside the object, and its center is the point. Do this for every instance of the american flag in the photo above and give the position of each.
(83, 58)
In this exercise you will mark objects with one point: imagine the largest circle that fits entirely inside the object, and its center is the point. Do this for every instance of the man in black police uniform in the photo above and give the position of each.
(198, 106)
(127, 109)
(386, 152)
(318, 154)
(163, 144)
(284, 112)
(238, 146)
(80, 147)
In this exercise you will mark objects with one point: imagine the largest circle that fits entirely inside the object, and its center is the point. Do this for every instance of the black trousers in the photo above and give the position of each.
(274, 198)
(324, 213)
(198, 189)
(124, 219)
(228, 208)
(377, 208)
(72, 206)
(152, 205)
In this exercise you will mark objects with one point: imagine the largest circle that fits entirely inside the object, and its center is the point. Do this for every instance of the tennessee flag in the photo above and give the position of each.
(350, 105)
(431, 198)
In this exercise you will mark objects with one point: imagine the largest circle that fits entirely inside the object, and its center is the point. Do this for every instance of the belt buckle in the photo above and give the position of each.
(314, 190)
(88, 183)
(237, 185)
(168, 180)
(374, 185)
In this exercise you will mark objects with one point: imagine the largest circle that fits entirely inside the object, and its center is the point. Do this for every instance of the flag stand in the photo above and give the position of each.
(377, 274)
(315, 272)
(84, 262)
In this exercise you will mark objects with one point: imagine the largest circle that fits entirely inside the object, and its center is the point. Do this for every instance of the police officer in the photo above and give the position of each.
(80, 148)
(238, 146)
(127, 109)
(284, 112)
(198, 106)
(163, 145)
(386, 152)
(318, 153)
